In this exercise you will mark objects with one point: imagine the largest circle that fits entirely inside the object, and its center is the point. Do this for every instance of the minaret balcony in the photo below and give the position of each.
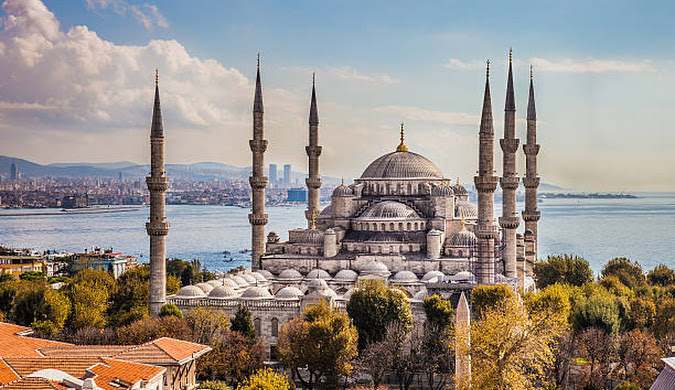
(157, 183)
(258, 145)
(531, 216)
(313, 151)
(509, 182)
(509, 222)
(157, 228)
(531, 149)
(257, 182)
(258, 219)
(531, 182)
(486, 231)
(509, 145)
(313, 182)
(486, 183)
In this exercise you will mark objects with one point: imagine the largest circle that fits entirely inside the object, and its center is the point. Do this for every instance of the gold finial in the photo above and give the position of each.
(258, 59)
(531, 72)
(457, 180)
(510, 55)
(487, 71)
(343, 182)
(463, 222)
(313, 78)
(401, 147)
(313, 218)
(156, 77)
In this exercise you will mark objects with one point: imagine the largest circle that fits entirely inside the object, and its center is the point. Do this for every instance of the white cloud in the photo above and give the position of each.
(351, 74)
(147, 14)
(454, 63)
(592, 66)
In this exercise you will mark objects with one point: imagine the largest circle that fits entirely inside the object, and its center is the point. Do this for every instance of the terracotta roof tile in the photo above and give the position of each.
(126, 371)
(7, 374)
(179, 349)
(12, 343)
(83, 350)
(33, 384)
(76, 367)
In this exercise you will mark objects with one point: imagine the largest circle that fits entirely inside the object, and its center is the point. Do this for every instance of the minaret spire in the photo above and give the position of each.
(486, 183)
(531, 182)
(313, 180)
(258, 180)
(509, 220)
(158, 227)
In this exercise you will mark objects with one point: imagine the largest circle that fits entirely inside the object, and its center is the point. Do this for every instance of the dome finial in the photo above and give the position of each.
(401, 147)
(457, 180)
(463, 222)
(343, 182)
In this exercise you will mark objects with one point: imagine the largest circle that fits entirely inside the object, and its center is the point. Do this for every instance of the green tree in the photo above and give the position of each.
(265, 379)
(599, 310)
(233, 358)
(130, 301)
(373, 306)
(89, 292)
(485, 297)
(37, 304)
(628, 272)
(242, 323)
(438, 311)
(565, 269)
(323, 342)
(32, 275)
(626, 385)
(641, 313)
(661, 275)
(169, 309)
(214, 385)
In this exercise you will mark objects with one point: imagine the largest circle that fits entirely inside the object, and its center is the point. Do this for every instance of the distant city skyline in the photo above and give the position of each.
(79, 83)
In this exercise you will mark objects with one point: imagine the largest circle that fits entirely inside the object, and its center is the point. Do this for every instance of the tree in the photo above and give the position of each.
(436, 350)
(641, 313)
(511, 348)
(148, 329)
(242, 323)
(209, 326)
(661, 275)
(596, 346)
(626, 385)
(565, 269)
(214, 385)
(89, 292)
(664, 321)
(38, 305)
(439, 312)
(484, 298)
(265, 379)
(169, 309)
(628, 272)
(640, 357)
(32, 275)
(373, 306)
(323, 342)
(599, 310)
(130, 301)
(233, 358)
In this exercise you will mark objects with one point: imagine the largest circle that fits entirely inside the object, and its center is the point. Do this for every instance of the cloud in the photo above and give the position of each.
(454, 63)
(425, 115)
(592, 66)
(350, 74)
(147, 14)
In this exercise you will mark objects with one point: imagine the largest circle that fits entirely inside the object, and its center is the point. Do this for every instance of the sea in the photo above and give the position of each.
(642, 229)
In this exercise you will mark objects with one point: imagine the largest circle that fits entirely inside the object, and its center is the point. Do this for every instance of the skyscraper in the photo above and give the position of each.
(287, 174)
(13, 171)
(273, 173)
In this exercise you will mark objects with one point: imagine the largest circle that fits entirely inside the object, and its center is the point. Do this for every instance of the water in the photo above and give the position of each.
(598, 229)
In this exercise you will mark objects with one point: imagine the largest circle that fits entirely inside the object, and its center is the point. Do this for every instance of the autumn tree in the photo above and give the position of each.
(323, 342)
(265, 379)
(640, 357)
(89, 291)
(233, 358)
(209, 326)
(597, 347)
(373, 306)
(150, 328)
(436, 350)
(629, 272)
(486, 297)
(662, 276)
(565, 269)
(37, 305)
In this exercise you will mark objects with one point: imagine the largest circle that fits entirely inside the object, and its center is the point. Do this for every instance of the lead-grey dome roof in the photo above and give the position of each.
(256, 293)
(289, 274)
(289, 293)
(442, 190)
(311, 237)
(346, 275)
(406, 165)
(204, 286)
(463, 238)
(221, 292)
(190, 292)
(404, 277)
(466, 209)
(317, 273)
(343, 190)
(437, 275)
(389, 210)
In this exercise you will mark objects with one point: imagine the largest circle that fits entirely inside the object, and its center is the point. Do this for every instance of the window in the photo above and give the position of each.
(256, 324)
(275, 327)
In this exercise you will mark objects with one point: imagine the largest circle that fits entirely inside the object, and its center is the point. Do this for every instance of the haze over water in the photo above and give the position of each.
(641, 229)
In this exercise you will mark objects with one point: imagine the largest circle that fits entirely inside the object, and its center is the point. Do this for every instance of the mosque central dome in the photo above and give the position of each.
(389, 210)
(402, 165)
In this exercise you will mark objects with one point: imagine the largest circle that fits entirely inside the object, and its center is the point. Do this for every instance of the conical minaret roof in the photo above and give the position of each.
(510, 99)
(156, 129)
(486, 118)
(531, 109)
(313, 111)
(258, 101)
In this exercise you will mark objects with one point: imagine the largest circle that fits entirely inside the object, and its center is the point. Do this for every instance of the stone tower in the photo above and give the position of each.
(531, 181)
(258, 181)
(158, 227)
(486, 184)
(463, 343)
(509, 220)
(313, 152)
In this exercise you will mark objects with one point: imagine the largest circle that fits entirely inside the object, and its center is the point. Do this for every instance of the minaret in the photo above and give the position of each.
(486, 183)
(258, 181)
(509, 220)
(531, 181)
(158, 227)
(313, 151)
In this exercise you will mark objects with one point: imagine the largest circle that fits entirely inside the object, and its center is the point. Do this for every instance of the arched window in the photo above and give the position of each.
(400, 226)
(256, 325)
(374, 226)
(415, 226)
(409, 189)
(391, 226)
(384, 227)
(408, 226)
(410, 248)
(275, 327)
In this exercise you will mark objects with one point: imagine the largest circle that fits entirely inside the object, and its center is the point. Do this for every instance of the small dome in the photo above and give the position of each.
(218, 274)
(462, 276)
(311, 237)
(433, 276)
(327, 211)
(346, 275)
(375, 268)
(343, 190)
(215, 282)
(404, 277)
(249, 278)
(389, 210)
(434, 232)
(459, 190)
(205, 287)
(258, 276)
(464, 239)
(256, 293)
(267, 274)
(442, 190)
(466, 209)
(317, 284)
(289, 274)
(405, 165)
(329, 231)
(229, 282)
(190, 292)
(317, 274)
(288, 293)
(420, 295)
(222, 292)
(241, 282)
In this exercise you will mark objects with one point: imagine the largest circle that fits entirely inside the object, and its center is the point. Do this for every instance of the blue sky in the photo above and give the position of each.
(603, 73)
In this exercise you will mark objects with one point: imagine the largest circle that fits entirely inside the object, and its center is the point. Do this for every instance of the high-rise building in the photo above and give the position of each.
(287, 174)
(14, 172)
(273, 173)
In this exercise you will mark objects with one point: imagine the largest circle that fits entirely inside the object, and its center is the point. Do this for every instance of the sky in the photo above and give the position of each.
(78, 77)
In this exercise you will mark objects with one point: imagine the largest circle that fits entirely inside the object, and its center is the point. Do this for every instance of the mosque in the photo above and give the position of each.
(401, 222)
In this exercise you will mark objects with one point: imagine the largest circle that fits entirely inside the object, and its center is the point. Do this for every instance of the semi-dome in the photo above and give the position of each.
(256, 293)
(466, 209)
(343, 190)
(404, 277)
(326, 212)
(402, 165)
(190, 292)
(317, 274)
(464, 239)
(311, 237)
(442, 190)
(289, 274)
(288, 293)
(222, 292)
(205, 287)
(346, 275)
(433, 276)
(389, 210)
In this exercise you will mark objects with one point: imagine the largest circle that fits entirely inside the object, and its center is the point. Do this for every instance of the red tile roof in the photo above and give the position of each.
(126, 371)
(13, 341)
(76, 367)
(34, 384)
(7, 374)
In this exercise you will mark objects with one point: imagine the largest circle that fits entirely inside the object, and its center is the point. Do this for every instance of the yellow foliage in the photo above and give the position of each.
(265, 379)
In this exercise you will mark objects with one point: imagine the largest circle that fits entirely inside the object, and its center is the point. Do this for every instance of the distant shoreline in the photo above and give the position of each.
(96, 210)
(595, 195)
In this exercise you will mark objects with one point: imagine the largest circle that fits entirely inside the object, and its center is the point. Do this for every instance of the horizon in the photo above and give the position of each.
(602, 102)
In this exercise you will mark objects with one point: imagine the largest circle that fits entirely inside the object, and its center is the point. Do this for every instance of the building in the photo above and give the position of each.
(287, 174)
(13, 171)
(114, 263)
(75, 201)
(273, 174)
(17, 262)
(297, 194)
